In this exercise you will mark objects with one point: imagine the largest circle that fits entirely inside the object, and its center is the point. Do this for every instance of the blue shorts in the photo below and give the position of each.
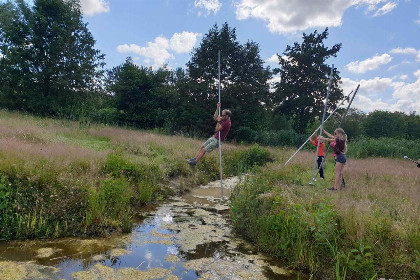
(341, 158)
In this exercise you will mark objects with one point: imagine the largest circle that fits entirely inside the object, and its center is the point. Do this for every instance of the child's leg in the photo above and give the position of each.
(338, 174)
(321, 167)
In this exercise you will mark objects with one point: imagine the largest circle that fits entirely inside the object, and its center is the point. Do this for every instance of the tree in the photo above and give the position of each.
(243, 79)
(386, 124)
(304, 74)
(49, 62)
(141, 95)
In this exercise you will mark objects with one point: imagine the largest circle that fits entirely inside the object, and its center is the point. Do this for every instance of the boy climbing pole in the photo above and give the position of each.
(223, 125)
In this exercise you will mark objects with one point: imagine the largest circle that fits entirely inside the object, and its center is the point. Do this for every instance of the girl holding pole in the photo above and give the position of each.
(340, 149)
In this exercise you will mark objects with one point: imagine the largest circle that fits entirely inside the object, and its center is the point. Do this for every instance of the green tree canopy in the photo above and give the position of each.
(141, 95)
(49, 62)
(244, 85)
(304, 76)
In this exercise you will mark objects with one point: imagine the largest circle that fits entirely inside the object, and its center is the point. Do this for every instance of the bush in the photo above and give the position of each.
(108, 206)
(295, 232)
(106, 116)
(245, 134)
(280, 138)
(384, 147)
(237, 162)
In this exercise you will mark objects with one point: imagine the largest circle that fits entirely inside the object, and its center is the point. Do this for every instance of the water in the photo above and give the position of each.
(184, 238)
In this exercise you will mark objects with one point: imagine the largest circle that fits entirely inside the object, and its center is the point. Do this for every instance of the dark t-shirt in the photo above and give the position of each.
(340, 146)
(225, 130)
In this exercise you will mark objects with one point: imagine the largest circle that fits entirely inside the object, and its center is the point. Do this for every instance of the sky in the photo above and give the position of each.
(380, 38)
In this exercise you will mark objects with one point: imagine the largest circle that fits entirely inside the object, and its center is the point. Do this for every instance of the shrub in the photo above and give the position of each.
(280, 138)
(108, 206)
(384, 147)
(245, 134)
(237, 162)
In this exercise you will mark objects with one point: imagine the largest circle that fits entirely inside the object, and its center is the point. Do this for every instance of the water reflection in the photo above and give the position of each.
(188, 237)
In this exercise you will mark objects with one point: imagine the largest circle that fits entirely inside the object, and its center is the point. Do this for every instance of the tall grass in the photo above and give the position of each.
(368, 230)
(63, 179)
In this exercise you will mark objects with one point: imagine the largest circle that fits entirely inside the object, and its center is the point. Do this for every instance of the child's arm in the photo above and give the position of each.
(326, 139)
(328, 134)
(315, 143)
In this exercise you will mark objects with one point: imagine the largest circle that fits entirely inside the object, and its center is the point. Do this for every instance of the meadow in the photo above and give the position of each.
(367, 230)
(61, 178)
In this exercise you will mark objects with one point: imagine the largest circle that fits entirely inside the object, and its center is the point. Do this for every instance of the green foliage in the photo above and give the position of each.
(142, 97)
(393, 125)
(300, 94)
(245, 134)
(295, 232)
(145, 178)
(384, 147)
(280, 138)
(237, 162)
(311, 234)
(361, 262)
(33, 199)
(49, 64)
(243, 78)
(108, 206)
(106, 115)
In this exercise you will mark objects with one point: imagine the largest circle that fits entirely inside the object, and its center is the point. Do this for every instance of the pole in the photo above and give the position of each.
(332, 113)
(322, 123)
(220, 141)
(339, 125)
(348, 107)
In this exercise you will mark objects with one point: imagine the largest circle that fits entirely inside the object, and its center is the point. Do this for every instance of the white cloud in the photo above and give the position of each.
(272, 82)
(273, 59)
(368, 64)
(183, 42)
(91, 7)
(418, 56)
(405, 96)
(404, 77)
(403, 51)
(208, 5)
(157, 52)
(390, 68)
(285, 16)
(388, 7)
(133, 48)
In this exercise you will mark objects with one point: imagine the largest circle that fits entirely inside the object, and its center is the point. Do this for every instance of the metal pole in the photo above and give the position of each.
(339, 125)
(322, 123)
(348, 107)
(332, 113)
(220, 141)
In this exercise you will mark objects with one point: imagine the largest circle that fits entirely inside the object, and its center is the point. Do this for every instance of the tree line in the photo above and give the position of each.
(49, 66)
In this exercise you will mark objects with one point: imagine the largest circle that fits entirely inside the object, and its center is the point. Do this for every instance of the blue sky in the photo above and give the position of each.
(381, 38)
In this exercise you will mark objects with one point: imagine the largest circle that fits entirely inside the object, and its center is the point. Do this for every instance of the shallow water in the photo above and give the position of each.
(184, 238)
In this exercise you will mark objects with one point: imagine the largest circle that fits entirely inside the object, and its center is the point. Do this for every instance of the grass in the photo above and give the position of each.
(370, 229)
(62, 178)
(58, 178)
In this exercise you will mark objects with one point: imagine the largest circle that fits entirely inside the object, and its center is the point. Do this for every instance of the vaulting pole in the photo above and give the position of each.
(339, 125)
(220, 141)
(322, 124)
(332, 113)
(348, 107)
